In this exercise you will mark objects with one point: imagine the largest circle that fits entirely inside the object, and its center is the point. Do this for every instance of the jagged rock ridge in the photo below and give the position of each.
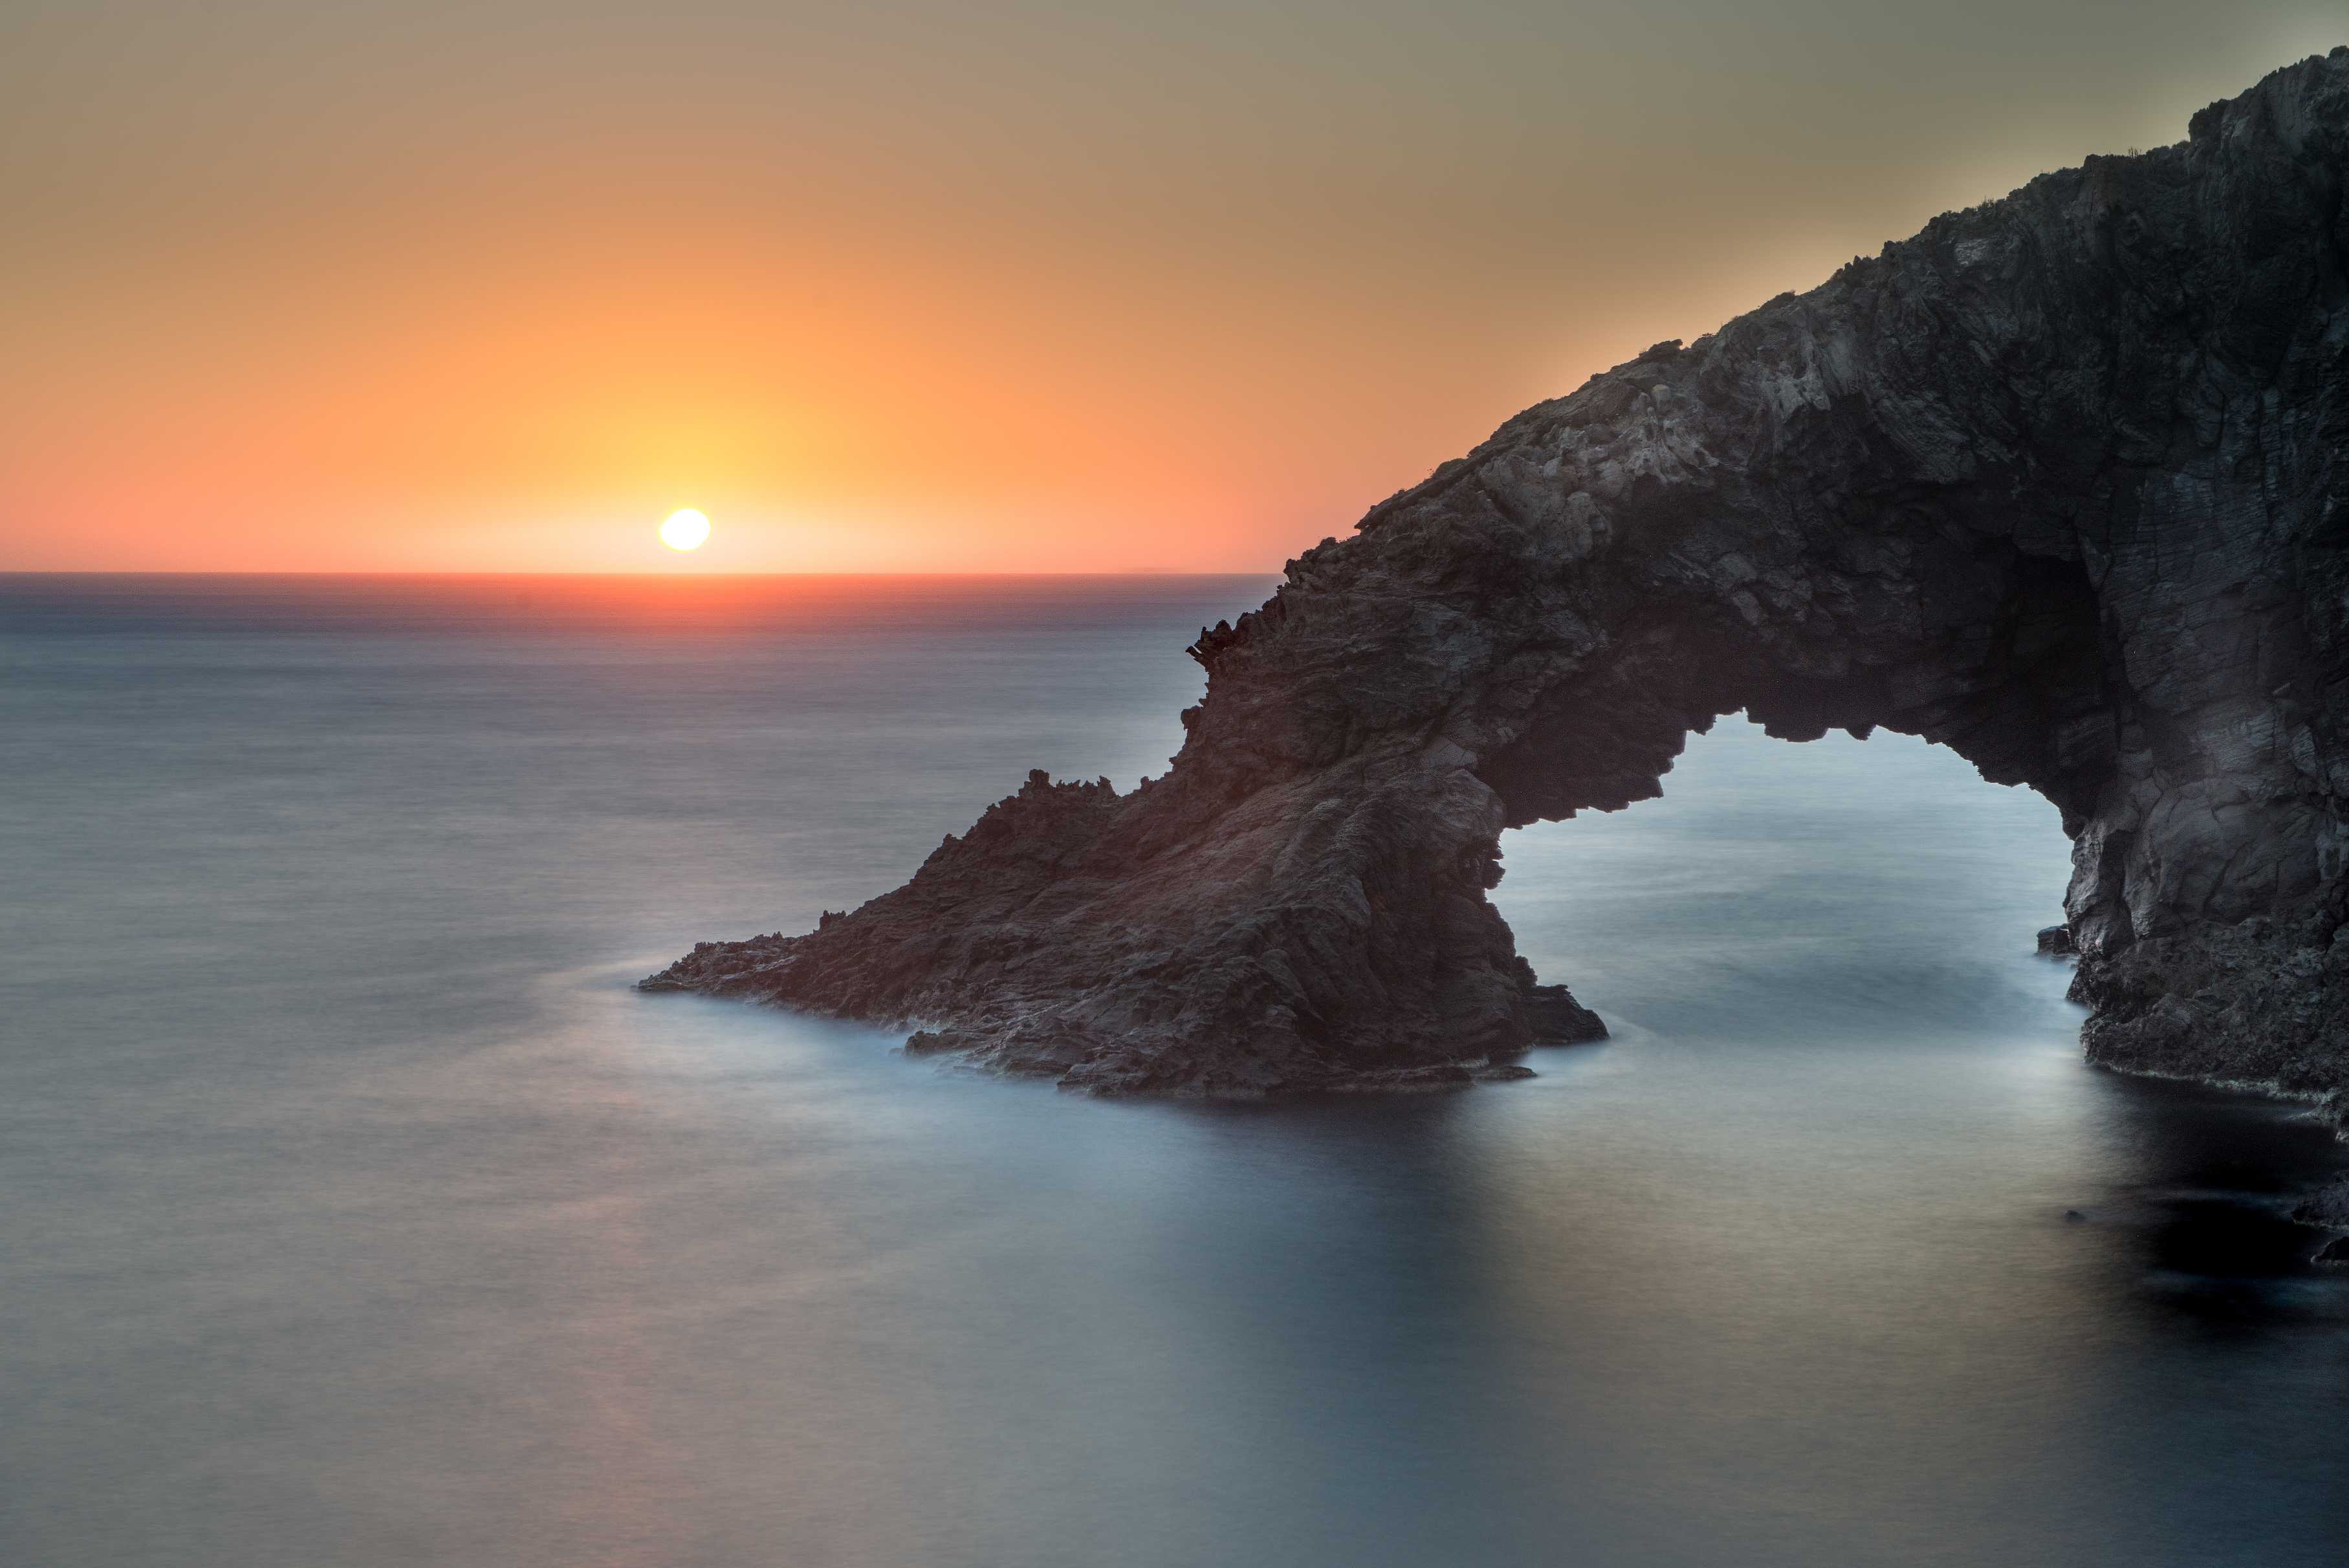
(2057, 483)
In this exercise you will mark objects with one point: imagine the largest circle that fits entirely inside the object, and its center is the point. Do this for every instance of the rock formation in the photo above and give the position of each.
(2057, 483)
(2326, 1208)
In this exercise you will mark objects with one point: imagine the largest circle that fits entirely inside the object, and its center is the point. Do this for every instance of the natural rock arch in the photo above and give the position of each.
(2057, 483)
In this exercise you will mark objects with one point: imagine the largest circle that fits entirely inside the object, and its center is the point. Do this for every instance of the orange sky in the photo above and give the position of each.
(935, 287)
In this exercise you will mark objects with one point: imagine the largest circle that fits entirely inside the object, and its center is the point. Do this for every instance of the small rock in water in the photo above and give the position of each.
(2055, 941)
(2335, 1253)
(2326, 1208)
(2073, 1216)
(1558, 1019)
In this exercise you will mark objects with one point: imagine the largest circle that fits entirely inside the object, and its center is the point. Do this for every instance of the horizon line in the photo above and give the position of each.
(666, 576)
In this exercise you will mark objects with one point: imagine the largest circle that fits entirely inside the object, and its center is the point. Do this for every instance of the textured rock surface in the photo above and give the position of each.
(2327, 1208)
(2057, 483)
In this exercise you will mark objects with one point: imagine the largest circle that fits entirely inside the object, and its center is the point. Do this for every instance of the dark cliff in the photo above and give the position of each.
(2058, 483)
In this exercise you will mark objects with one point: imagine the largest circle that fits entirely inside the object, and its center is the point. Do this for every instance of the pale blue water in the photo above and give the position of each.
(357, 1214)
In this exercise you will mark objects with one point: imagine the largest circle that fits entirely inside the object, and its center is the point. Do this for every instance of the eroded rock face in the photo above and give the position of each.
(2057, 483)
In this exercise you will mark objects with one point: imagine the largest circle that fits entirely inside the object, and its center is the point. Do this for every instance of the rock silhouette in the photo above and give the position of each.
(2058, 482)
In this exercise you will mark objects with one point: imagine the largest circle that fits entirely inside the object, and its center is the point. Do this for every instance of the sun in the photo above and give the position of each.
(685, 529)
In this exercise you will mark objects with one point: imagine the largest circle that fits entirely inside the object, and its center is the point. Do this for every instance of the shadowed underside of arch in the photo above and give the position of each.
(2057, 483)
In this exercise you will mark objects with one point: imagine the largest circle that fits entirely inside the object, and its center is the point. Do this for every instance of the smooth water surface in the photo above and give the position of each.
(359, 1214)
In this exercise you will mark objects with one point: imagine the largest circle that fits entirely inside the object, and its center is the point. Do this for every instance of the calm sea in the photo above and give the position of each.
(357, 1212)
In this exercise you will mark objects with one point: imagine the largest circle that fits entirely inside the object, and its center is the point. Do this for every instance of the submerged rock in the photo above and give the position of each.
(2059, 482)
(2327, 1208)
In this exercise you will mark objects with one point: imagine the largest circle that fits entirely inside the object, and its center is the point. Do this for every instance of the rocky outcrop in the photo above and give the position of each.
(2057, 483)
(2327, 1207)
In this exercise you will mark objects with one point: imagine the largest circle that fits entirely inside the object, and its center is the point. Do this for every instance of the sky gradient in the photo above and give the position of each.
(936, 287)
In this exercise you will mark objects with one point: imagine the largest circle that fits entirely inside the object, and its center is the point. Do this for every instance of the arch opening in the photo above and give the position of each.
(1780, 890)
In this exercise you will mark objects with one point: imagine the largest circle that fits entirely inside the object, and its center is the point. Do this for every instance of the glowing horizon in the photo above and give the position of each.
(1064, 289)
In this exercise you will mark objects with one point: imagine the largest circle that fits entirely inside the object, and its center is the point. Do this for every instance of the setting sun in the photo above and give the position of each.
(685, 529)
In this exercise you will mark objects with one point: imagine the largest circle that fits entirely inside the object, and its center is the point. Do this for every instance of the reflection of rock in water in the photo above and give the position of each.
(2056, 483)
(2230, 1259)
(2228, 1238)
(2213, 1208)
